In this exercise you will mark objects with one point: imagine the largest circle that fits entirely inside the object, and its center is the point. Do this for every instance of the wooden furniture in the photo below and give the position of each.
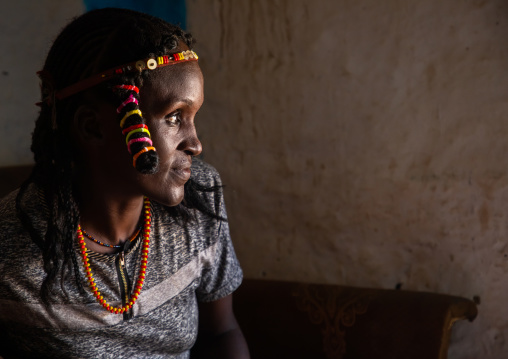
(295, 320)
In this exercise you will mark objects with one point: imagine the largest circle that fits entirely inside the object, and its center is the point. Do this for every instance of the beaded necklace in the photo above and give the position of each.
(89, 236)
(147, 214)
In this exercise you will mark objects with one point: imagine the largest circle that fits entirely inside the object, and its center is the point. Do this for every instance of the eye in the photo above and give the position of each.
(174, 119)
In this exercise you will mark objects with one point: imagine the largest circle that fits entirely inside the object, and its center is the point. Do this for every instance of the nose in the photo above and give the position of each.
(191, 143)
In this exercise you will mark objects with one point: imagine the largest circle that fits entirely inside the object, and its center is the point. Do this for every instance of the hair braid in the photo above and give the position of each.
(137, 135)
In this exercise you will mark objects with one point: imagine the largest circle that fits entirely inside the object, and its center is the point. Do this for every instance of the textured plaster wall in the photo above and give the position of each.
(365, 143)
(362, 142)
(27, 29)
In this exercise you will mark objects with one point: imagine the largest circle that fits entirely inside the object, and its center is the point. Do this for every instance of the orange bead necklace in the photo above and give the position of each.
(147, 214)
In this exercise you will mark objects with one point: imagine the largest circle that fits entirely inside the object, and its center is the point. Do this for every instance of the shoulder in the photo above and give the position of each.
(206, 188)
(32, 206)
(204, 173)
(16, 247)
(8, 210)
(32, 201)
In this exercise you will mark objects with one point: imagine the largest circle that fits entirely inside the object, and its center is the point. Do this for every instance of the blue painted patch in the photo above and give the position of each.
(173, 11)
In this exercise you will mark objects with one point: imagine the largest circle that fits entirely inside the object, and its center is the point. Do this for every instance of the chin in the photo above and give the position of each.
(169, 199)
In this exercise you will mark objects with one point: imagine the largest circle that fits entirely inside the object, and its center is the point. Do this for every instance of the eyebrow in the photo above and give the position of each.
(175, 99)
(161, 106)
(187, 101)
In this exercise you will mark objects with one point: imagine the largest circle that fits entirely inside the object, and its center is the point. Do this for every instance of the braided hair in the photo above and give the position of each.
(91, 43)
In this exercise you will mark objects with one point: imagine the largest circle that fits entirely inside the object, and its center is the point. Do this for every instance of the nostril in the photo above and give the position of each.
(194, 146)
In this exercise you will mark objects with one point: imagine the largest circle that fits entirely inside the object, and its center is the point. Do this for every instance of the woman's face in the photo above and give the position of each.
(169, 103)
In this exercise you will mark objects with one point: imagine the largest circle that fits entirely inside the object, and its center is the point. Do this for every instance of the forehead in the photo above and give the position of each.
(175, 82)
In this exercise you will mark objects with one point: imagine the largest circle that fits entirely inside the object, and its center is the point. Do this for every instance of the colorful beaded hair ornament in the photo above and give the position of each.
(150, 63)
(132, 123)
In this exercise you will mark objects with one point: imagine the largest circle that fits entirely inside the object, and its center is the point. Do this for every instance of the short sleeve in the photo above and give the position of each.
(222, 275)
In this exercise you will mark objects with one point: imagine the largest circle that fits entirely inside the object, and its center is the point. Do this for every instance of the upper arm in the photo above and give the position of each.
(219, 333)
(217, 317)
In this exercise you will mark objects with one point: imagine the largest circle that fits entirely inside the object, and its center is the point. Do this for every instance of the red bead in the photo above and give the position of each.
(141, 278)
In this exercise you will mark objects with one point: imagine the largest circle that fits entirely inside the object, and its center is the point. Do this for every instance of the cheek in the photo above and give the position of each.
(164, 143)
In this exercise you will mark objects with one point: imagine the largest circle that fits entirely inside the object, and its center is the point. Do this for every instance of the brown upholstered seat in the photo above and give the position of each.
(294, 320)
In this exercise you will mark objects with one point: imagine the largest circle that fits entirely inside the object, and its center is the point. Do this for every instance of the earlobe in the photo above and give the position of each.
(87, 126)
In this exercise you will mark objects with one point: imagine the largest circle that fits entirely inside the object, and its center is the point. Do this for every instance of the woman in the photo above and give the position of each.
(108, 247)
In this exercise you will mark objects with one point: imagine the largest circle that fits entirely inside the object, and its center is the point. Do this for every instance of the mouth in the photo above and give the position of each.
(183, 173)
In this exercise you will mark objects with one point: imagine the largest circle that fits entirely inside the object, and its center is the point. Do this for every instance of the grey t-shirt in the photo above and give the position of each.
(186, 264)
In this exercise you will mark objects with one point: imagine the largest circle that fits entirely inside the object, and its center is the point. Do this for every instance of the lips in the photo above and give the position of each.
(183, 172)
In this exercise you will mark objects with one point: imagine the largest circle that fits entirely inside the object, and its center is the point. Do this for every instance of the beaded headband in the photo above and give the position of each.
(150, 63)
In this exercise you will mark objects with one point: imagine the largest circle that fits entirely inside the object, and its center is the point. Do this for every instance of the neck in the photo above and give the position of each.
(110, 219)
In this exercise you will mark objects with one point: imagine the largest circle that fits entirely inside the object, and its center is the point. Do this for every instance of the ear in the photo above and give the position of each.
(87, 125)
